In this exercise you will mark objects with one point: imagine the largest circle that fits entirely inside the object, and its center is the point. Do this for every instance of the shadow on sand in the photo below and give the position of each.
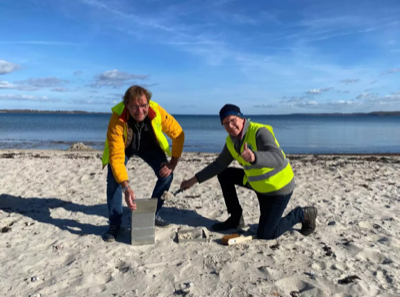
(39, 209)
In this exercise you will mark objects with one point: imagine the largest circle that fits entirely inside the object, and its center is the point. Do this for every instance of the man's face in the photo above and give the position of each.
(138, 108)
(233, 125)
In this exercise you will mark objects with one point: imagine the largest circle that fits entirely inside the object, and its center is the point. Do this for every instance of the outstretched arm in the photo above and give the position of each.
(223, 160)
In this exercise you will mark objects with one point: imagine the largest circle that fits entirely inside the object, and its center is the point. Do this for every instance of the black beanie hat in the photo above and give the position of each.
(229, 109)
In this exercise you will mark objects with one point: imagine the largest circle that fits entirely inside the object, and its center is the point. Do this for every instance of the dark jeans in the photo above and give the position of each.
(271, 224)
(114, 190)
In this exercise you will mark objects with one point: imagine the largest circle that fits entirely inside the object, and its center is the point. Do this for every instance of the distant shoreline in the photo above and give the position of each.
(50, 111)
(374, 113)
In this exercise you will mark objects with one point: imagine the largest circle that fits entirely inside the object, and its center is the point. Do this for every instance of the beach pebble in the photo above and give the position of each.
(311, 274)
(376, 226)
(348, 279)
(184, 289)
(58, 247)
(35, 295)
(5, 229)
(331, 223)
(34, 279)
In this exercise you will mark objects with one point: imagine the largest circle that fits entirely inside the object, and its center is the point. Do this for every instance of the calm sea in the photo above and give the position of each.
(297, 134)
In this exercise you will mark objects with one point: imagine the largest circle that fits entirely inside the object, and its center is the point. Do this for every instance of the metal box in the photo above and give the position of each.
(193, 235)
(142, 222)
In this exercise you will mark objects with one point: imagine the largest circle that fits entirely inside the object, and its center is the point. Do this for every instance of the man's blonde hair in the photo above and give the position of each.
(134, 92)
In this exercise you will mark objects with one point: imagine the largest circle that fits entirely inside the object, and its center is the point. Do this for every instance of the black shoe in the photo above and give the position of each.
(112, 233)
(309, 223)
(160, 222)
(231, 223)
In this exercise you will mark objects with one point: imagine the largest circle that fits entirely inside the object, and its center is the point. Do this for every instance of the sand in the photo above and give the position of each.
(53, 212)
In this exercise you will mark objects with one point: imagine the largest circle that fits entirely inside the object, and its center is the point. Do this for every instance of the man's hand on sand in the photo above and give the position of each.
(186, 184)
(166, 169)
(130, 199)
(248, 154)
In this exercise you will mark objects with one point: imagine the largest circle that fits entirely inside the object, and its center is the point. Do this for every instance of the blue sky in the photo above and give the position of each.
(268, 57)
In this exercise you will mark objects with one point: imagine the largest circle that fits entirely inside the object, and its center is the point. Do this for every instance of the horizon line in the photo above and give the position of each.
(196, 114)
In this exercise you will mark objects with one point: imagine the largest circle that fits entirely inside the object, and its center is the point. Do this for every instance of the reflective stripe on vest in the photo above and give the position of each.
(261, 179)
(269, 173)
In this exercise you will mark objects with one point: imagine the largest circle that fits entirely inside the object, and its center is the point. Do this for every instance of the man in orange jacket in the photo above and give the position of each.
(137, 127)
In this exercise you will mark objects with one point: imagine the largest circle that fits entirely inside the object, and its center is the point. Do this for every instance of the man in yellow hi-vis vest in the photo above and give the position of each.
(137, 127)
(266, 170)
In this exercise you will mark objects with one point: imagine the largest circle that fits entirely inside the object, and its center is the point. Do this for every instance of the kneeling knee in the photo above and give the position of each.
(267, 235)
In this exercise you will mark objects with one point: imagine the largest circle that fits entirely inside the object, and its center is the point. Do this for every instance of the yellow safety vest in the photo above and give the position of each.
(261, 179)
(155, 123)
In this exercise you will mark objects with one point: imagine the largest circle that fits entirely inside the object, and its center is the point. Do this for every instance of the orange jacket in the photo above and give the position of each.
(117, 143)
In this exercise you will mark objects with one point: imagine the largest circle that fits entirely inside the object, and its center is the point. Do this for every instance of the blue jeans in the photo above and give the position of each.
(271, 224)
(114, 190)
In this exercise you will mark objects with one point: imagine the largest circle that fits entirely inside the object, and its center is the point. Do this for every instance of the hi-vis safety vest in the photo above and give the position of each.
(261, 179)
(155, 123)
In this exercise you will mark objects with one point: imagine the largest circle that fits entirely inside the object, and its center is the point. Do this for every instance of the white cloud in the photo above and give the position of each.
(375, 98)
(60, 89)
(349, 81)
(118, 95)
(7, 67)
(95, 102)
(307, 104)
(115, 78)
(301, 104)
(45, 82)
(389, 98)
(10, 86)
(317, 91)
(342, 103)
(27, 98)
(367, 96)
(292, 99)
(391, 71)
(265, 106)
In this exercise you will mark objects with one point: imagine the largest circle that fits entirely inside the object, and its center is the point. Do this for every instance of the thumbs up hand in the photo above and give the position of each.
(247, 154)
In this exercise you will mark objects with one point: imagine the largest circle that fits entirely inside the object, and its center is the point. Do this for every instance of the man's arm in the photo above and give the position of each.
(171, 127)
(268, 153)
(223, 160)
(117, 148)
(216, 167)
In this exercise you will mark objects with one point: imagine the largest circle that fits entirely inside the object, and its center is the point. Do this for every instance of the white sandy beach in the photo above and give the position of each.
(53, 212)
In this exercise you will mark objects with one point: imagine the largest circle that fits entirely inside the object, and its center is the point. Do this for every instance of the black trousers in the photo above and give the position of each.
(271, 224)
